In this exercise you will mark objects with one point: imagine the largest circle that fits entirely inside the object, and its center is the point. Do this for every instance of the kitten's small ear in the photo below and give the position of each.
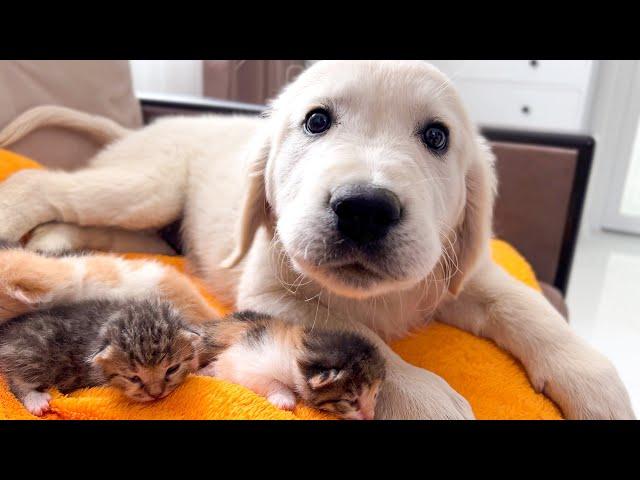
(325, 378)
(190, 334)
(193, 338)
(105, 353)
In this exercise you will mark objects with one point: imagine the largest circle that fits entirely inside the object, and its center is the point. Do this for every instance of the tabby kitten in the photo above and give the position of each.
(336, 371)
(142, 347)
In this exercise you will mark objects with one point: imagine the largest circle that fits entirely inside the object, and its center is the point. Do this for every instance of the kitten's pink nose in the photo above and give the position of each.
(367, 414)
(367, 410)
(155, 391)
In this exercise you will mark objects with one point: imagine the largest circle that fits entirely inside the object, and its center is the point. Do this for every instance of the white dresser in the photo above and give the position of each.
(525, 94)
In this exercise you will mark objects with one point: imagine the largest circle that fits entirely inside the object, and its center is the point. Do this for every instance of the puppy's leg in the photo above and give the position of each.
(579, 379)
(127, 196)
(63, 237)
(413, 393)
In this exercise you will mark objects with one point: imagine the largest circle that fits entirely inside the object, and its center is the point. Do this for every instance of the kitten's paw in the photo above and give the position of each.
(284, 399)
(37, 402)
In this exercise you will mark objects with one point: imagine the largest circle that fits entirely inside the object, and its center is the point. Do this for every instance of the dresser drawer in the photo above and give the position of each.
(569, 73)
(506, 104)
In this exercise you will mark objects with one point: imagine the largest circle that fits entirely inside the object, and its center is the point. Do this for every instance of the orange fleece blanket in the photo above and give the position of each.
(494, 382)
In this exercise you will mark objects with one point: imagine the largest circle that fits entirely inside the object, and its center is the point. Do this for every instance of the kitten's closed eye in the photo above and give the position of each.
(135, 379)
(340, 406)
(173, 369)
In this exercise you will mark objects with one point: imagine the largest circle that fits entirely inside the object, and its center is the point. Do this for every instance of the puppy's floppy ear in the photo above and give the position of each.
(474, 230)
(255, 209)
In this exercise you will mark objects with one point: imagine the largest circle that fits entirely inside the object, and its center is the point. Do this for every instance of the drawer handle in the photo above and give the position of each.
(525, 109)
(533, 63)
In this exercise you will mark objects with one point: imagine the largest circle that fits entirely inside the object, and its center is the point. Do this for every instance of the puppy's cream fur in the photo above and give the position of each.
(270, 227)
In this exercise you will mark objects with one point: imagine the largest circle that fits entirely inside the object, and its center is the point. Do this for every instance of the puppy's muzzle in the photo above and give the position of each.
(365, 213)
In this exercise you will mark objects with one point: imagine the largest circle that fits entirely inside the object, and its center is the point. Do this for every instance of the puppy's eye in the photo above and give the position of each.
(436, 137)
(317, 121)
(135, 379)
(172, 370)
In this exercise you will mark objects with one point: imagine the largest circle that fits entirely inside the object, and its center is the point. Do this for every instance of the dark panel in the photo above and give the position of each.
(584, 147)
(154, 106)
(534, 191)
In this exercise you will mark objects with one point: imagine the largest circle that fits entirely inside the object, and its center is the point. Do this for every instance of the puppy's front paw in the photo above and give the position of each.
(37, 402)
(583, 383)
(412, 393)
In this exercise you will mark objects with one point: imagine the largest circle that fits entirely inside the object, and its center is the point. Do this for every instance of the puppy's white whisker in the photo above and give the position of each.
(424, 180)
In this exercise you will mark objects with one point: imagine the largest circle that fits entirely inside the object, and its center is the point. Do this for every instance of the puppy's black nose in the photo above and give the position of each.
(365, 212)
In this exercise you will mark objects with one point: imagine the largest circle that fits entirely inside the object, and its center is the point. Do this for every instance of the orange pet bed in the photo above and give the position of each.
(493, 382)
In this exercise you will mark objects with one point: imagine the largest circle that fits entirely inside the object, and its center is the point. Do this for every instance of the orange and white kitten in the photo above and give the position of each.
(32, 281)
(337, 371)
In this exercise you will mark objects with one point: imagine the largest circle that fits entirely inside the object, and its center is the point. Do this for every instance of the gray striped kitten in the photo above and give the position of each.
(142, 347)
